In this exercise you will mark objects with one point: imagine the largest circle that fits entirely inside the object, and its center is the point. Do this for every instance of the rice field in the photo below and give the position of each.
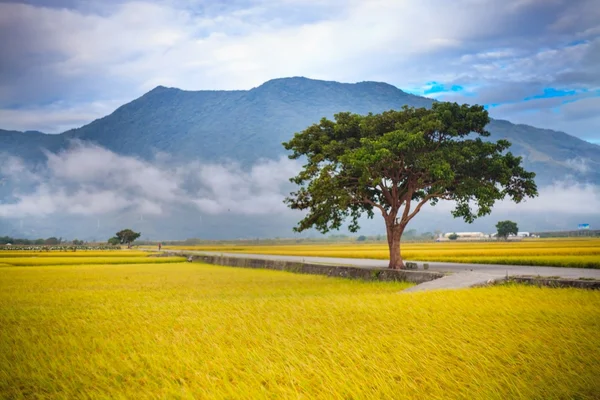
(578, 253)
(69, 254)
(188, 330)
(30, 258)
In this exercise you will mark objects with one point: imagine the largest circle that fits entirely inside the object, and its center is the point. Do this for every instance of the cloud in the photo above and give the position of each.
(90, 180)
(579, 164)
(58, 59)
(562, 197)
(557, 114)
(56, 117)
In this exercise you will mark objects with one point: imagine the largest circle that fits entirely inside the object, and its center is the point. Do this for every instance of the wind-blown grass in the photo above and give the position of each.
(188, 330)
(583, 253)
(78, 253)
(40, 261)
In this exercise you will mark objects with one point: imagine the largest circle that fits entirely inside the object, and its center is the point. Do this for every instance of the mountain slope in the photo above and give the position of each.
(214, 126)
(249, 125)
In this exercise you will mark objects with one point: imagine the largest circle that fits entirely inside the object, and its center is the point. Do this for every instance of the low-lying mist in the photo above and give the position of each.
(88, 192)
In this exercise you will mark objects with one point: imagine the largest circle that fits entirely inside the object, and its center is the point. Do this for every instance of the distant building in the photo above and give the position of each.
(466, 234)
(518, 235)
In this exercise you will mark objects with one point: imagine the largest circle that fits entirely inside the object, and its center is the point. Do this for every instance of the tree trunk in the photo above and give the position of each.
(394, 233)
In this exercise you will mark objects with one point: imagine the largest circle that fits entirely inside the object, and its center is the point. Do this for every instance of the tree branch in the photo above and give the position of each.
(371, 202)
(422, 203)
(386, 193)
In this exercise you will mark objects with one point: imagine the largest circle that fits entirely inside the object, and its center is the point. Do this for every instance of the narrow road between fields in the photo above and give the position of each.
(459, 275)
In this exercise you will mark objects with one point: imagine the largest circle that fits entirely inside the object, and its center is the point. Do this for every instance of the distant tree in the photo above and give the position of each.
(77, 242)
(114, 241)
(398, 161)
(127, 236)
(410, 233)
(39, 242)
(454, 236)
(362, 238)
(427, 235)
(506, 228)
(51, 241)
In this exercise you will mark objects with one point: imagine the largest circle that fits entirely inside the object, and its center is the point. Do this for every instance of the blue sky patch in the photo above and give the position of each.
(551, 92)
(436, 87)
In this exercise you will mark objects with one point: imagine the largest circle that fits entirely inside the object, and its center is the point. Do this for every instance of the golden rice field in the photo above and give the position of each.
(581, 253)
(85, 253)
(28, 259)
(189, 331)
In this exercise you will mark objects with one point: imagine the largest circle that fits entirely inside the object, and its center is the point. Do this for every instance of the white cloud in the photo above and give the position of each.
(563, 197)
(579, 164)
(56, 117)
(94, 56)
(560, 198)
(90, 180)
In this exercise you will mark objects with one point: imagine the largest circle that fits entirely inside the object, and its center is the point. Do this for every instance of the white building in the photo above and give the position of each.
(519, 234)
(466, 234)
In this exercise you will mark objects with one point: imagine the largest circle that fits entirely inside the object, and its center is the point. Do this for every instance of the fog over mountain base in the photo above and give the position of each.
(90, 192)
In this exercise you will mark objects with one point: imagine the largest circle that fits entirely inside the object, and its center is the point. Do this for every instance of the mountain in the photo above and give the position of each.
(248, 125)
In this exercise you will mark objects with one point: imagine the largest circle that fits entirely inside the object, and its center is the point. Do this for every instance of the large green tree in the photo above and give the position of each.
(398, 161)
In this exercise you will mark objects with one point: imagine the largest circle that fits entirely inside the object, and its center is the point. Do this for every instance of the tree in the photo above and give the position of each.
(114, 241)
(453, 236)
(411, 233)
(398, 161)
(6, 239)
(506, 228)
(52, 241)
(127, 236)
(361, 238)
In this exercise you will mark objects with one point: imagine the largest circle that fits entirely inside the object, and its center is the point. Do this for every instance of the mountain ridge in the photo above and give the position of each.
(215, 127)
(246, 125)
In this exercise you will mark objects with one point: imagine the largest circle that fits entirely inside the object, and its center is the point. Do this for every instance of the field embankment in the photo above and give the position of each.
(582, 253)
(188, 330)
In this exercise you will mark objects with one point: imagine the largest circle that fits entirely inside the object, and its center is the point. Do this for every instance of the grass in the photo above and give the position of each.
(188, 330)
(41, 261)
(582, 253)
(79, 253)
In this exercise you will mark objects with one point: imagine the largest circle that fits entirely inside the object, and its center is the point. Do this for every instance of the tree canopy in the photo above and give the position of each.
(398, 161)
(506, 228)
(127, 236)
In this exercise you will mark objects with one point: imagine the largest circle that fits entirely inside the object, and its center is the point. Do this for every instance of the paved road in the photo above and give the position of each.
(460, 275)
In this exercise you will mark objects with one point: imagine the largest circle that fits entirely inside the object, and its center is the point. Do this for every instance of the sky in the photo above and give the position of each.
(64, 63)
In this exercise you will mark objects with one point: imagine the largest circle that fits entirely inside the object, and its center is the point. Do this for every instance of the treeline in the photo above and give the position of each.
(578, 233)
(409, 235)
(51, 241)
